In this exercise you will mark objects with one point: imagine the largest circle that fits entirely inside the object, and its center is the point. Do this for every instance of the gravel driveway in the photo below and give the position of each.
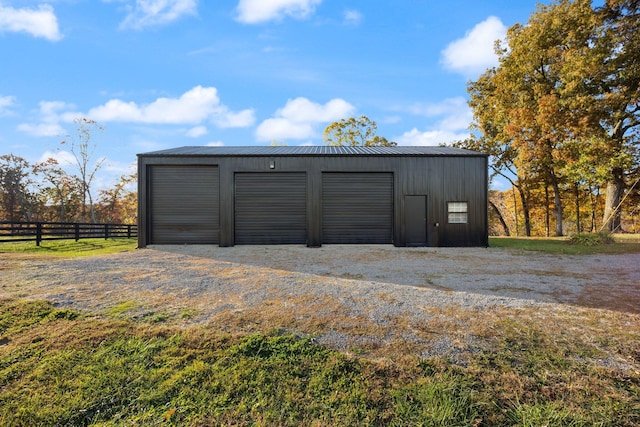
(335, 288)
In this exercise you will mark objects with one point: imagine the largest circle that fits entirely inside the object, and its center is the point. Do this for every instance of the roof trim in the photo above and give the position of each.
(308, 151)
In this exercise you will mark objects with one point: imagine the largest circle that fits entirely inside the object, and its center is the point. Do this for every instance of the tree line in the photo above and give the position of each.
(44, 191)
(560, 117)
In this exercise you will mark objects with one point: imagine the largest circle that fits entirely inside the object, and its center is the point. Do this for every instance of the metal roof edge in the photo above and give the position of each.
(312, 151)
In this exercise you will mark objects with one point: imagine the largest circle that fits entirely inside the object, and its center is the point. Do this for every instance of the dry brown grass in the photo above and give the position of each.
(346, 321)
(557, 358)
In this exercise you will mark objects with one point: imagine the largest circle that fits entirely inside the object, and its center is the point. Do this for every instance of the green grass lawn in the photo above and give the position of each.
(71, 248)
(562, 245)
(60, 367)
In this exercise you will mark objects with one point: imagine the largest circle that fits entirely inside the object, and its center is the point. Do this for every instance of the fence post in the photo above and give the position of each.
(38, 233)
(128, 231)
(106, 231)
(77, 231)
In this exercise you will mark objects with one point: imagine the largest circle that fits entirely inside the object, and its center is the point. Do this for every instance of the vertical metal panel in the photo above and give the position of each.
(465, 181)
(270, 208)
(184, 204)
(226, 202)
(314, 205)
(357, 207)
(143, 197)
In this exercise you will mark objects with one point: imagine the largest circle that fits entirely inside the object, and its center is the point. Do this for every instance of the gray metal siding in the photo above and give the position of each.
(184, 204)
(464, 181)
(441, 178)
(270, 208)
(357, 207)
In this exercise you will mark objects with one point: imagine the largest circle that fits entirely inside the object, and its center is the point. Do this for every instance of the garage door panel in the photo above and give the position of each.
(357, 207)
(270, 208)
(184, 204)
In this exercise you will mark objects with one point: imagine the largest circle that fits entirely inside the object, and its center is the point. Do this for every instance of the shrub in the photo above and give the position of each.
(592, 239)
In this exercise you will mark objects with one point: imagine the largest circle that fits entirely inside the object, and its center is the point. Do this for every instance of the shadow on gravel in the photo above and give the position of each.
(597, 281)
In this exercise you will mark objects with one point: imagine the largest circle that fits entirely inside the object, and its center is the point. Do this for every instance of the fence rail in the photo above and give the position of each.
(38, 231)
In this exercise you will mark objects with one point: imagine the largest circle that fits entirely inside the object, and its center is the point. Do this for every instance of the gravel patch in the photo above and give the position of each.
(358, 295)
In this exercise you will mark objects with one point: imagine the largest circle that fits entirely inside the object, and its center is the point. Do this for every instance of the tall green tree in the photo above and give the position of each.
(502, 162)
(59, 188)
(115, 201)
(527, 92)
(355, 131)
(491, 102)
(563, 104)
(614, 101)
(16, 197)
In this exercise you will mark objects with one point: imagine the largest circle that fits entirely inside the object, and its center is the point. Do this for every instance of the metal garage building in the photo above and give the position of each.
(406, 196)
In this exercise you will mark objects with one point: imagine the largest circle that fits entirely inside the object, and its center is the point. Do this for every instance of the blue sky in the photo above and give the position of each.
(166, 73)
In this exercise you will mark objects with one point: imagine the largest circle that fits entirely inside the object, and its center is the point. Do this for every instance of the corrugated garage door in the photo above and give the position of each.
(270, 208)
(184, 204)
(357, 207)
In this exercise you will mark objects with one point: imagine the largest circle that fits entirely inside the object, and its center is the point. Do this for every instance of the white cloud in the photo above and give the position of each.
(41, 22)
(454, 113)
(391, 119)
(150, 13)
(453, 117)
(474, 53)
(457, 122)
(64, 158)
(255, 11)
(215, 144)
(303, 110)
(352, 17)
(197, 131)
(41, 129)
(144, 143)
(6, 102)
(119, 168)
(192, 107)
(280, 128)
(241, 119)
(447, 106)
(51, 113)
(297, 119)
(430, 137)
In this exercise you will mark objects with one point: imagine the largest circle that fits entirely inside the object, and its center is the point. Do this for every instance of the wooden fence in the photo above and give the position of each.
(39, 231)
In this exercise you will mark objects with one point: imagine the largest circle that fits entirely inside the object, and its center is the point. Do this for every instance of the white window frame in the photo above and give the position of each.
(457, 212)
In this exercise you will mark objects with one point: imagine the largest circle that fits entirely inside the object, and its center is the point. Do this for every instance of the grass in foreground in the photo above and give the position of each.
(583, 245)
(71, 248)
(58, 367)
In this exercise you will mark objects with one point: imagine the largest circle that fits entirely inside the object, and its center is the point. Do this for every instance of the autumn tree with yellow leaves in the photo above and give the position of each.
(561, 111)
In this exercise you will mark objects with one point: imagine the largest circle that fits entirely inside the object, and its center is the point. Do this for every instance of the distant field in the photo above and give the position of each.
(624, 243)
